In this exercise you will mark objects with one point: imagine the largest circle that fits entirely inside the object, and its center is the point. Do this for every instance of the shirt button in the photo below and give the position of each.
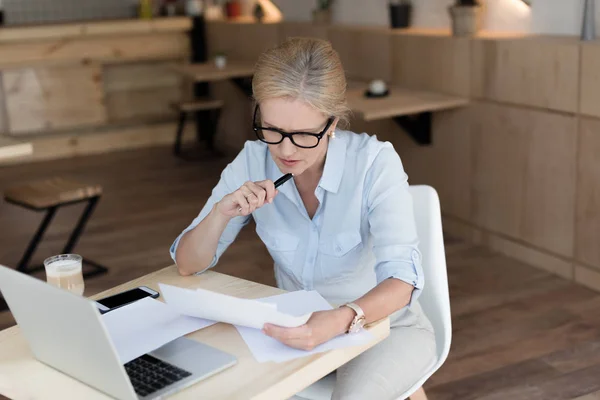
(338, 248)
(415, 256)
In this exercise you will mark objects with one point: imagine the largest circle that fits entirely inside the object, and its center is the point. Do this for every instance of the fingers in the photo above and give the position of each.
(299, 338)
(242, 202)
(269, 187)
(253, 195)
(258, 192)
(279, 332)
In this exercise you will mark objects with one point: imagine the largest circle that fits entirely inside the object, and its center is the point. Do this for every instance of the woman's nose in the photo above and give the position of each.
(287, 148)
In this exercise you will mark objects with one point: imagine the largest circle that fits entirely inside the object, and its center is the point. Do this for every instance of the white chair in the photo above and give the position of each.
(434, 299)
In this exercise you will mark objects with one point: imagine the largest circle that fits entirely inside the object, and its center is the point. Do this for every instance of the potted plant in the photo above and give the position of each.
(322, 14)
(400, 13)
(233, 9)
(465, 16)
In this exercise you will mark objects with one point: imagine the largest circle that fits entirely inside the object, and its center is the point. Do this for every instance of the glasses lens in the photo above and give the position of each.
(268, 136)
(304, 140)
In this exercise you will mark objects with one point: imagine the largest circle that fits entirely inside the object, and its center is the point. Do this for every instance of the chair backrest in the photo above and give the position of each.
(435, 298)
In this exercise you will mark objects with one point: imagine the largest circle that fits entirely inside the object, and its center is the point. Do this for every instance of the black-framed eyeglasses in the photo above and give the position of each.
(305, 140)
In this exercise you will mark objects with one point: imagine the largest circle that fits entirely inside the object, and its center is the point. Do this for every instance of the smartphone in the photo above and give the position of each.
(120, 299)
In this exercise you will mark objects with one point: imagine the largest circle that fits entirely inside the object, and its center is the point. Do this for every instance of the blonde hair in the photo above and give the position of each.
(306, 69)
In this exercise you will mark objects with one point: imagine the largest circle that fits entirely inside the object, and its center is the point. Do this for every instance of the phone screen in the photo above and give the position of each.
(124, 298)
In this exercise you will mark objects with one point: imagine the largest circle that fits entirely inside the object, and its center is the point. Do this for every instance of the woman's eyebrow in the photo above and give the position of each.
(297, 130)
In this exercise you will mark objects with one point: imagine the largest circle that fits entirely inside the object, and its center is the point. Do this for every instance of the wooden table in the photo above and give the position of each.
(10, 148)
(23, 377)
(399, 102)
(208, 72)
(202, 74)
(411, 109)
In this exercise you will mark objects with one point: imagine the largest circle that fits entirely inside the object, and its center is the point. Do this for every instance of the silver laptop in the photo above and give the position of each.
(66, 332)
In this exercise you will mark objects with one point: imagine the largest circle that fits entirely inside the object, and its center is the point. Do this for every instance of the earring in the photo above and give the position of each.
(332, 134)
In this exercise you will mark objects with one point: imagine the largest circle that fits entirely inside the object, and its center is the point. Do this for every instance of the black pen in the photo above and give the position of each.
(283, 180)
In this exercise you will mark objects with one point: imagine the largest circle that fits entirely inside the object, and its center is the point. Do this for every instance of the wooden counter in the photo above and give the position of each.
(91, 29)
(91, 77)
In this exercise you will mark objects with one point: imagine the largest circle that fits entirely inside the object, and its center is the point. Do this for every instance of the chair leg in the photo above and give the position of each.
(96, 269)
(179, 134)
(35, 241)
(419, 394)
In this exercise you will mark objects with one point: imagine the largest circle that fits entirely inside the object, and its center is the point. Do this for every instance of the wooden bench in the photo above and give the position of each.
(49, 195)
(211, 106)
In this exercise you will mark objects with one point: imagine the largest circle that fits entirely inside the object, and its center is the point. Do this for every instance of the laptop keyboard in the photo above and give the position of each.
(149, 374)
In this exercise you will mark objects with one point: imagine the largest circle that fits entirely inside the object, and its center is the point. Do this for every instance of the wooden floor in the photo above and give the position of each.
(519, 333)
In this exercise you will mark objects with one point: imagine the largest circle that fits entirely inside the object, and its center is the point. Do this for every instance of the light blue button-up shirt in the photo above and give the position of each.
(362, 233)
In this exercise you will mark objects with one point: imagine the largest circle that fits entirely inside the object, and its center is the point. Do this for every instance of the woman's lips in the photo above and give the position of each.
(289, 163)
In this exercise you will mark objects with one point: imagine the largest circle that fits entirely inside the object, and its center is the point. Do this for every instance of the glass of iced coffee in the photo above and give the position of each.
(64, 271)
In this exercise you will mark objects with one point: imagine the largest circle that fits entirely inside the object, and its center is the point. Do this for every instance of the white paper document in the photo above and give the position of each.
(223, 308)
(146, 325)
(264, 348)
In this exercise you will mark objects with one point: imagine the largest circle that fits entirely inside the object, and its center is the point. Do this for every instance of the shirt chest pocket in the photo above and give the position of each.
(340, 254)
(282, 245)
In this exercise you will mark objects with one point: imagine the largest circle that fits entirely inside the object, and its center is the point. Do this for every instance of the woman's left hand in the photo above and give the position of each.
(321, 327)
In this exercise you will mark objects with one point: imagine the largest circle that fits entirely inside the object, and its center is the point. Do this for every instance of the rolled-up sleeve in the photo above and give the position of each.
(391, 221)
(232, 177)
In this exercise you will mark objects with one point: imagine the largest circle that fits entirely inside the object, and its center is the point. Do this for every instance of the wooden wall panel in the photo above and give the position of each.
(3, 112)
(54, 98)
(365, 52)
(432, 62)
(590, 79)
(446, 165)
(159, 46)
(551, 172)
(537, 71)
(142, 105)
(136, 76)
(141, 91)
(589, 278)
(500, 147)
(241, 41)
(524, 175)
(302, 29)
(588, 194)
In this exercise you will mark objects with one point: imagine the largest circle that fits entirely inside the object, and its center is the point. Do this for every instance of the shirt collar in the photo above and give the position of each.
(332, 171)
(334, 164)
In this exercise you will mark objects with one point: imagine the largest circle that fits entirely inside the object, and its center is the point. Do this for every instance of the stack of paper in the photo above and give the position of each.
(148, 324)
(265, 348)
(220, 307)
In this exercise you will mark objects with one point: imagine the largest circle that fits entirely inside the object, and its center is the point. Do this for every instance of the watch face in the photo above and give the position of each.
(357, 325)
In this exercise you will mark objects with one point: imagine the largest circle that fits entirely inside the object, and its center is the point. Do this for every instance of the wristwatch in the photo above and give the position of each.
(359, 319)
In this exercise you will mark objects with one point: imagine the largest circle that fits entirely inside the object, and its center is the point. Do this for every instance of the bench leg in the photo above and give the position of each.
(214, 122)
(74, 238)
(419, 394)
(96, 269)
(35, 241)
(179, 133)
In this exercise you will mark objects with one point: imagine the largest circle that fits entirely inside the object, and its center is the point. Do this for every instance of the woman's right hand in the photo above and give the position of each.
(249, 197)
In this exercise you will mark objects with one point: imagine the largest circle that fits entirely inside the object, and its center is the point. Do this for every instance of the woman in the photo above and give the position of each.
(343, 225)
